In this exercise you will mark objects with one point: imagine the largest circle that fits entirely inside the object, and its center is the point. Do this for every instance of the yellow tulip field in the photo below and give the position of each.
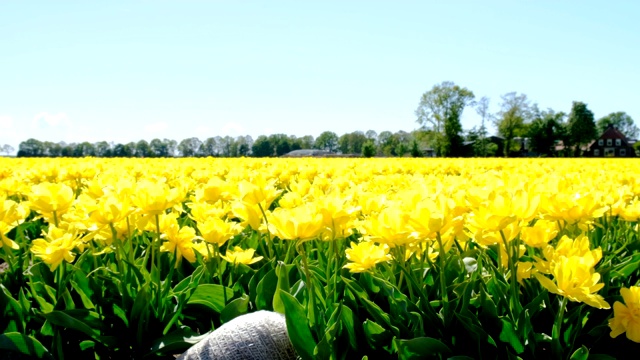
(366, 258)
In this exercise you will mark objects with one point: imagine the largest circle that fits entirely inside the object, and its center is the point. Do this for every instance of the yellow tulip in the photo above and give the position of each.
(365, 255)
(47, 198)
(626, 317)
(575, 279)
(240, 256)
(218, 231)
(153, 198)
(56, 247)
(4, 240)
(540, 233)
(301, 223)
(180, 241)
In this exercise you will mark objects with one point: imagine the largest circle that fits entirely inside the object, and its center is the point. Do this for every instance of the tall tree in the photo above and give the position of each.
(209, 147)
(328, 140)
(6, 149)
(262, 147)
(31, 148)
(440, 110)
(482, 109)
(581, 126)
(189, 147)
(515, 112)
(621, 121)
(546, 128)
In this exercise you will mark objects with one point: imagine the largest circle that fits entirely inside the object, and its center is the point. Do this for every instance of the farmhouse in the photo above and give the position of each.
(612, 143)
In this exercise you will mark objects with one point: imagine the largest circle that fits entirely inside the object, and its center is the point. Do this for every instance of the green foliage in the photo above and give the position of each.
(546, 129)
(581, 126)
(369, 149)
(440, 110)
(515, 113)
(621, 121)
(328, 140)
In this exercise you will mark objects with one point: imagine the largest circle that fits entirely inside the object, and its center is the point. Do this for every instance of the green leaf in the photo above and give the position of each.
(176, 341)
(627, 268)
(379, 315)
(348, 323)
(27, 345)
(376, 335)
(421, 347)
(84, 321)
(12, 311)
(283, 285)
(87, 344)
(86, 302)
(298, 326)
(235, 308)
(265, 290)
(580, 354)
(355, 288)
(508, 334)
(211, 296)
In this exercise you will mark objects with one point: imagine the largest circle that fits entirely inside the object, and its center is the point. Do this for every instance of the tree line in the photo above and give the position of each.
(368, 143)
(549, 133)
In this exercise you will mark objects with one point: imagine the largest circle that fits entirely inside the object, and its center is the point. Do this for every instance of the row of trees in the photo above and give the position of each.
(370, 144)
(549, 133)
(441, 108)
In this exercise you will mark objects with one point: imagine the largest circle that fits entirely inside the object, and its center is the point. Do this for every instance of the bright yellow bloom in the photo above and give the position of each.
(218, 231)
(389, 227)
(524, 270)
(201, 211)
(249, 215)
(573, 208)
(180, 241)
(540, 233)
(261, 191)
(428, 217)
(626, 317)
(495, 214)
(153, 198)
(338, 215)
(215, 190)
(365, 255)
(56, 246)
(11, 212)
(4, 240)
(240, 256)
(111, 209)
(576, 280)
(47, 198)
(301, 223)
(568, 247)
(631, 212)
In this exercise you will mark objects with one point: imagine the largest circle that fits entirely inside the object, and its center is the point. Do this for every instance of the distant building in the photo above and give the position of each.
(612, 143)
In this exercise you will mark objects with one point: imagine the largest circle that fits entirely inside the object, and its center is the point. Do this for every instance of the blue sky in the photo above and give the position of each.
(128, 70)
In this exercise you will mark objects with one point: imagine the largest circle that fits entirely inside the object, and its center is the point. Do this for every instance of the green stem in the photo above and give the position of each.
(513, 278)
(216, 254)
(556, 333)
(55, 218)
(307, 274)
(269, 243)
(443, 284)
